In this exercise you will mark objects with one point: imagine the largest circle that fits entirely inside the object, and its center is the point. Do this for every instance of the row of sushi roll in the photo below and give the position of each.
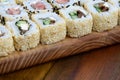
(27, 23)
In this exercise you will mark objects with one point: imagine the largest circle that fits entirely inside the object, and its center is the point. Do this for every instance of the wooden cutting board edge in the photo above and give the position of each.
(67, 47)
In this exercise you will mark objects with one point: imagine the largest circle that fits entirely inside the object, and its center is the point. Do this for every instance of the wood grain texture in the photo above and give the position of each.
(101, 64)
(98, 64)
(33, 73)
(67, 47)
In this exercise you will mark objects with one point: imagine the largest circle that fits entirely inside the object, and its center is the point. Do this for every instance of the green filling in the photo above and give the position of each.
(21, 22)
(46, 21)
(73, 14)
(23, 26)
(97, 8)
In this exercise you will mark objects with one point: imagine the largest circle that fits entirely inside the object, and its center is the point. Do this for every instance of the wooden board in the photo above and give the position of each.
(34, 73)
(98, 64)
(67, 47)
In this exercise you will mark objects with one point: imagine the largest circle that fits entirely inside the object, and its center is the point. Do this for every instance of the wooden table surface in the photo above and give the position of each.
(99, 64)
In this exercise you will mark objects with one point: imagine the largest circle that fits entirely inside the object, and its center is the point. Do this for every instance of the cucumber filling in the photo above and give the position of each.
(101, 7)
(48, 21)
(76, 14)
(23, 26)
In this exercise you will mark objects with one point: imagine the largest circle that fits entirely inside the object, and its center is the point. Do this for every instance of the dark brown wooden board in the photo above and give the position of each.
(67, 47)
(97, 64)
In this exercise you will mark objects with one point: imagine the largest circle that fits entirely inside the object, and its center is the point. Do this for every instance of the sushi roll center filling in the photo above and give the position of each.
(62, 1)
(101, 7)
(13, 11)
(48, 20)
(76, 14)
(38, 5)
(1, 33)
(23, 26)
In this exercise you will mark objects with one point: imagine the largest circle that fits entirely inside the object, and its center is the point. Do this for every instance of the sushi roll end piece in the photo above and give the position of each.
(79, 21)
(13, 12)
(37, 6)
(25, 33)
(52, 27)
(116, 3)
(6, 41)
(105, 15)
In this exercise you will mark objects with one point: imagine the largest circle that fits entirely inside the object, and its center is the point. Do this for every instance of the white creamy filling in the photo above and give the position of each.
(52, 18)
(24, 26)
(1, 32)
(106, 4)
(83, 11)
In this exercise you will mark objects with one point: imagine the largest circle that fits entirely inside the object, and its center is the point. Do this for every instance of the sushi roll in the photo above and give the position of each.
(105, 15)
(52, 27)
(7, 2)
(13, 12)
(37, 6)
(79, 21)
(62, 3)
(116, 3)
(25, 33)
(6, 41)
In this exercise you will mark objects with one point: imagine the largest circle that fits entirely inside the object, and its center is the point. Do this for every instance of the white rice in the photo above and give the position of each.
(116, 4)
(26, 41)
(55, 4)
(80, 26)
(103, 20)
(23, 14)
(6, 42)
(8, 2)
(31, 9)
(50, 33)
